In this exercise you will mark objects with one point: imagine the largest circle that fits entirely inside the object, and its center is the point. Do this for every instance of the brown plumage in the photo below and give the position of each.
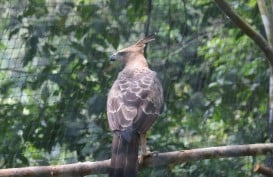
(134, 102)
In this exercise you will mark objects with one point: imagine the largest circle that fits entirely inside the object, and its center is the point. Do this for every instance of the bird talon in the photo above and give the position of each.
(148, 154)
(141, 160)
(154, 153)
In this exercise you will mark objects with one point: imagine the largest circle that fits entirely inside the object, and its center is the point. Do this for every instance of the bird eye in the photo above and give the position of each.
(122, 54)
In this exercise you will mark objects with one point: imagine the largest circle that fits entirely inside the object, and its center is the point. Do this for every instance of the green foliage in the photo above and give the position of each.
(55, 75)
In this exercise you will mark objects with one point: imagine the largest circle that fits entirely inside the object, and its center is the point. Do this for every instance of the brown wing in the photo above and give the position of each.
(134, 101)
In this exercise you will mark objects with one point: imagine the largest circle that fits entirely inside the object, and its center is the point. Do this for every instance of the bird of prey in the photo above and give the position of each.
(134, 101)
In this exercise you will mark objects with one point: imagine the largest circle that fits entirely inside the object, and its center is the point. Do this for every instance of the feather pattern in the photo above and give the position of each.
(123, 160)
(134, 102)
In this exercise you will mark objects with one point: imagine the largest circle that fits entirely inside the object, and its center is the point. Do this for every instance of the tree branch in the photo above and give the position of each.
(149, 13)
(263, 170)
(147, 24)
(15, 70)
(161, 159)
(69, 170)
(267, 17)
(246, 28)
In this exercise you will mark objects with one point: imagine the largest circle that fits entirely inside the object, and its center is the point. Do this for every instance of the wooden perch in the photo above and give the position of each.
(263, 170)
(158, 160)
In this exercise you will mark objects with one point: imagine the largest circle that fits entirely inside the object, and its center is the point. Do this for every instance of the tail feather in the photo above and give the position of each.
(124, 160)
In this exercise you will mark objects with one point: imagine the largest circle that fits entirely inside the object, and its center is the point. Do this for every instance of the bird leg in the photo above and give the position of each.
(143, 146)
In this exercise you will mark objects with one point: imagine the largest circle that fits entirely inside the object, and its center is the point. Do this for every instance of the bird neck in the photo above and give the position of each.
(136, 62)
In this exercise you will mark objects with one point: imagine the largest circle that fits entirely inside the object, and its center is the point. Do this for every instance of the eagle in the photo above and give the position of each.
(134, 102)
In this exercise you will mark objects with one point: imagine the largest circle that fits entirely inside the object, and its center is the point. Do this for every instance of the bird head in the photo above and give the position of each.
(132, 52)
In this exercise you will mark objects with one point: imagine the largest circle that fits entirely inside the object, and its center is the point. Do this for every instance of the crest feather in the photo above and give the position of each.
(147, 39)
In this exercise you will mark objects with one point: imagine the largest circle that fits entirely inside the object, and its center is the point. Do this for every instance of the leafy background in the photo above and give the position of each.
(55, 74)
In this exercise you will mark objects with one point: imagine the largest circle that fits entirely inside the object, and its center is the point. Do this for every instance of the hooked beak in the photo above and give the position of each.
(113, 57)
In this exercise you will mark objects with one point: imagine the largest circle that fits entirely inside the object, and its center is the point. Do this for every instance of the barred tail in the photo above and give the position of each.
(124, 160)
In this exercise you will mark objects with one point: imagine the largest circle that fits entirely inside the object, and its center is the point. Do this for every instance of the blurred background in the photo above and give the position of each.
(55, 74)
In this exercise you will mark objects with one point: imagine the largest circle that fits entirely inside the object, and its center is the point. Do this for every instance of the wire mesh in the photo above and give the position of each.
(55, 75)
